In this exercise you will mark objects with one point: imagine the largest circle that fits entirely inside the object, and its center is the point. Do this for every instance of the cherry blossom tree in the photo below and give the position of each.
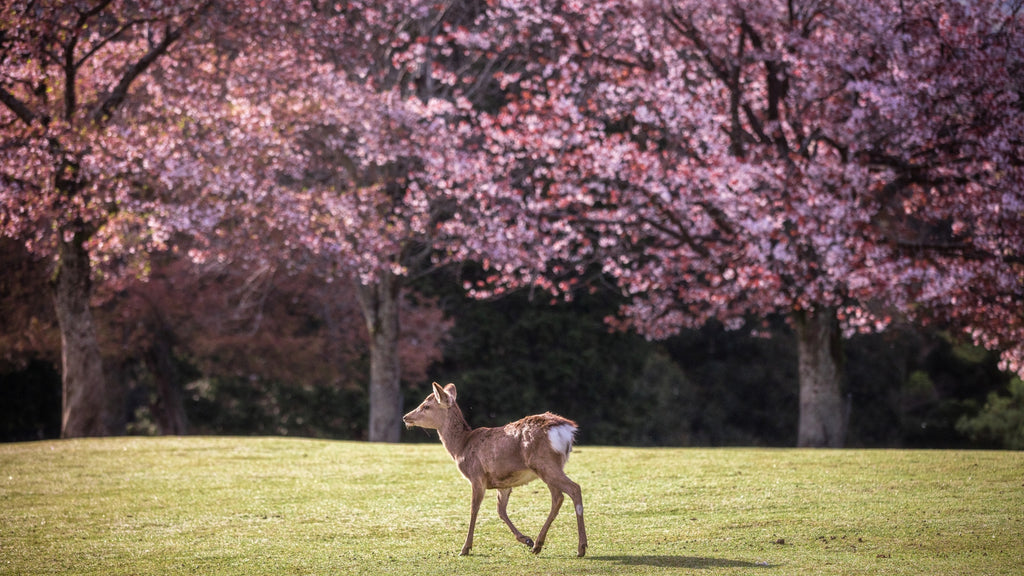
(834, 162)
(265, 135)
(67, 70)
(375, 134)
(324, 134)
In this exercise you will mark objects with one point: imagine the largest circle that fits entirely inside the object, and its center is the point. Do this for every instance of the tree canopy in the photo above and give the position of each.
(839, 163)
(729, 159)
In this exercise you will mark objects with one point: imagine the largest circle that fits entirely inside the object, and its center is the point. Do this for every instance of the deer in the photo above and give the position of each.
(504, 458)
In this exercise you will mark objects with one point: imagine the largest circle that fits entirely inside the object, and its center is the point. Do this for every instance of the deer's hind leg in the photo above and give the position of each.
(558, 483)
(556, 504)
(503, 495)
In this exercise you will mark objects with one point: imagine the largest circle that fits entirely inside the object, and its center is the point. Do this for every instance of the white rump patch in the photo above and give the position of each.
(561, 438)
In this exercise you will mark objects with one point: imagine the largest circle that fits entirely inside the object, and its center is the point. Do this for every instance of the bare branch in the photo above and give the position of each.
(17, 106)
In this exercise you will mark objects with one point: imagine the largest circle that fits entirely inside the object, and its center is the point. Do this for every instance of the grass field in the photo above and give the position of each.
(214, 506)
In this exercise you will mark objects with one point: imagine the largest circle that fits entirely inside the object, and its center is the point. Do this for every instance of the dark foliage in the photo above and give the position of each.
(30, 403)
(520, 355)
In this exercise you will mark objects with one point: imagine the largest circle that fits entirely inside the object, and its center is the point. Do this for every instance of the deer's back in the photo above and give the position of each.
(510, 456)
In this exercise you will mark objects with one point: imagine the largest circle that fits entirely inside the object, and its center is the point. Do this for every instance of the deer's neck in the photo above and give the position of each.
(455, 432)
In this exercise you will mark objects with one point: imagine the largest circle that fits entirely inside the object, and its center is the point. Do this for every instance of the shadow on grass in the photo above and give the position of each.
(691, 562)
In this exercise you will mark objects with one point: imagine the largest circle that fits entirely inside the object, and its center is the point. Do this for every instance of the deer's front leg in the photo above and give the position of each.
(478, 497)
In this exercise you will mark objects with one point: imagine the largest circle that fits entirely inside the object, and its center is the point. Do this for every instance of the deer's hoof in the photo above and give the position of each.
(465, 552)
(582, 552)
(529, 542)
(536, 548)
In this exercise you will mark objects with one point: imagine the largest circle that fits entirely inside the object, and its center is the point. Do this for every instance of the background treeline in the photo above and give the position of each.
(267, 353)
(235, 212)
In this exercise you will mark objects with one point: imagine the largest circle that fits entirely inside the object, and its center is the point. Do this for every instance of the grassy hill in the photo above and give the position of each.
(215, 506)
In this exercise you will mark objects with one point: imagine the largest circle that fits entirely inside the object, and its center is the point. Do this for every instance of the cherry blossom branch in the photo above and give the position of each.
(962, 249)
(114, 99)
(105, 41)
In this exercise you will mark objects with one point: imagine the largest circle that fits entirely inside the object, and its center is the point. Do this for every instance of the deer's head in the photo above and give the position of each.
(433, 411)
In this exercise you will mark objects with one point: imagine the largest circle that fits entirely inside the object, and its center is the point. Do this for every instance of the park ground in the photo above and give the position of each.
(227, 505)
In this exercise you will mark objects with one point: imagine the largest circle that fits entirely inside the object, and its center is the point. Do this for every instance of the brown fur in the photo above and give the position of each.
(501, 459)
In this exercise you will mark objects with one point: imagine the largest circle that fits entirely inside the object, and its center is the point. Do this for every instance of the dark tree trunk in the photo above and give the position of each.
(168, 409)
(85, 397)
(819, 349)
(380, 305)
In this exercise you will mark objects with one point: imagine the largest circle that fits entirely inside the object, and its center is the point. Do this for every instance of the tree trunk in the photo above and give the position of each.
(85, 398)
(379, 303)
(819, 349)
(168, 409)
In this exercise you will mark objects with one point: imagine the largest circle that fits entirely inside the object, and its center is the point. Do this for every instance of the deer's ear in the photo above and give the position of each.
(450, 389)
(440, 395)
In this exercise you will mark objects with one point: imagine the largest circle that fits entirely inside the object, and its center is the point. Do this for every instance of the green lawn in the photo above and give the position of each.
(212, 506)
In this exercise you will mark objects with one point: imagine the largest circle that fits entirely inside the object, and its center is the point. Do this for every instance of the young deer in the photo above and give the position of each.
(503, 458)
